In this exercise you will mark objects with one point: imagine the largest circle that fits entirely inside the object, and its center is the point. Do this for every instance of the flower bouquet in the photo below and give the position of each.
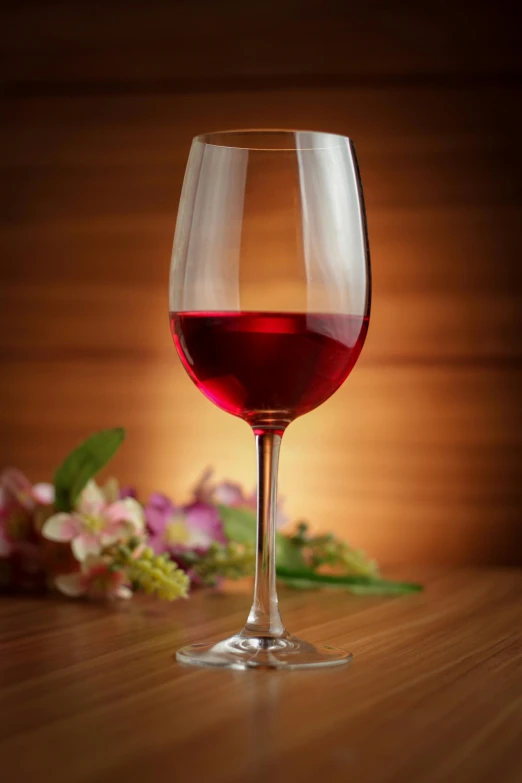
(83, 539)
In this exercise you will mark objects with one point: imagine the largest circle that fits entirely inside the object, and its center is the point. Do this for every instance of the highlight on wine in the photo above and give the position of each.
(83, 539)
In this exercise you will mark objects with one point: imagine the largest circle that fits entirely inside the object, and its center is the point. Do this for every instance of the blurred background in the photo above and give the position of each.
(417, 458)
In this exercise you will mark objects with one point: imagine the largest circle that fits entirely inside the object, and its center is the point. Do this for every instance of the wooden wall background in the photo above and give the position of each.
(418, 457)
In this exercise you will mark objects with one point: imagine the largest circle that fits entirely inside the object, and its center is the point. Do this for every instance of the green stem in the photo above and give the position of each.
(357, 584)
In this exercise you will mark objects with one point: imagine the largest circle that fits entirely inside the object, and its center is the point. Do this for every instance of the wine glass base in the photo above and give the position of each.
(244, 651)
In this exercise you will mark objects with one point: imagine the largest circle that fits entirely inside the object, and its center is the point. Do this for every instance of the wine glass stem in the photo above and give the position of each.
(264, 619)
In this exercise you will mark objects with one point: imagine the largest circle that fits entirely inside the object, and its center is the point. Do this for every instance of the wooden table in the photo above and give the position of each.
(90, 694)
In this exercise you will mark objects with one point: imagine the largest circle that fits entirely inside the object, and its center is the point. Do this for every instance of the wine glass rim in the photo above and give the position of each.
(225, 138)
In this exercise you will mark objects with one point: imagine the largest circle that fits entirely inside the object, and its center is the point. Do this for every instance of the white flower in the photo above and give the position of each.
(96, 522)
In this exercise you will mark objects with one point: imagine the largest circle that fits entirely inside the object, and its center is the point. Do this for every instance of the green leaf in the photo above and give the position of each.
(83, 463)
(299, 584)
(239, 524)
(361, 585)
(289, 554)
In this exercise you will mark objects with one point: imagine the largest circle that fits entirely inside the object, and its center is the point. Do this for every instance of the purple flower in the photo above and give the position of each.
(177, 528)
(128, 492)
(229, 493)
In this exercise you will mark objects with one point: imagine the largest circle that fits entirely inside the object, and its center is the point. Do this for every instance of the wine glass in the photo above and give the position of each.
(269, 299)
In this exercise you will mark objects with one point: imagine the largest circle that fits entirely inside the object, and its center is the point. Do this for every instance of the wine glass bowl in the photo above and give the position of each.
(269, 309)
(268, 368)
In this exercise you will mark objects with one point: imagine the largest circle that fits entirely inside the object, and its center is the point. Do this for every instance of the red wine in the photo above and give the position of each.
(268, 368)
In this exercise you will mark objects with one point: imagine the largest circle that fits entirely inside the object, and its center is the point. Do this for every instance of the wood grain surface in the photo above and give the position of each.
(418, 456)
(90, 694)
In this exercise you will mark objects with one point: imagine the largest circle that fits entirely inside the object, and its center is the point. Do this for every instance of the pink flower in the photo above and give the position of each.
(27, 567)
(229, 493)
(96, 579)
(18, 501)
(5, 545)
(17, 492)
(95, 522)
(21, 503)
(172, 528)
